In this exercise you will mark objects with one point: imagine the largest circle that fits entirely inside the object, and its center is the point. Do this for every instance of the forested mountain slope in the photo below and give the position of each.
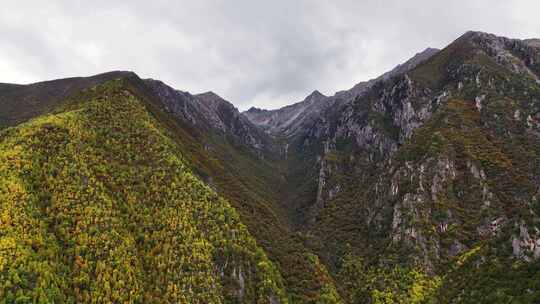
(419, 186)
(427, 169)
(98, 206)
(224, 162)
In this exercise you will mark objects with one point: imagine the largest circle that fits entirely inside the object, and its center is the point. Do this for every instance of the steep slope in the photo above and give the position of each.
(250, 179)
(419, 186)
(296, 118)
(230, 155)
(432, 167)
(208, 112)
(98, 206)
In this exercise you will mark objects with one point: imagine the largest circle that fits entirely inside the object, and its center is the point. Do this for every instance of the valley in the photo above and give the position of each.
(419, 186)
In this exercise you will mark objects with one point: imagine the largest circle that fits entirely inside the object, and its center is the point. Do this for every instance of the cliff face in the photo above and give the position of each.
(208, 112)
(427, 165)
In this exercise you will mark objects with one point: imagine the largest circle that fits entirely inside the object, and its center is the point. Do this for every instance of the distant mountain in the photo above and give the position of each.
(419, 186)
(209, 112)
(290, 119)
(287, 120)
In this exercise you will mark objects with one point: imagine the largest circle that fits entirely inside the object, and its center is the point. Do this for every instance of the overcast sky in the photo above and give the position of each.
(252, 53)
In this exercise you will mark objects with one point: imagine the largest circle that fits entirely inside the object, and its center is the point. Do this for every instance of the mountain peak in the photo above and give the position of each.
(209, 95)
(429, 51)
(120, 73)
(479, 36)
(316, 94)
(255, 110)
(471, 34)
(213, 100)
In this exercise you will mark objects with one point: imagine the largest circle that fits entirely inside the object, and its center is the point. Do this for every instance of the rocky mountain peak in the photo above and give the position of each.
(474, 33)
(315, 94)
(287, 120)
(292, 118)
(209, 96)
(519, 56)
(255, 110)
(209, 112)
(213, 100)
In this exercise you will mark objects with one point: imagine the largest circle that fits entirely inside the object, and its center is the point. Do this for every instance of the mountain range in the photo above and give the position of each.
(419, 186)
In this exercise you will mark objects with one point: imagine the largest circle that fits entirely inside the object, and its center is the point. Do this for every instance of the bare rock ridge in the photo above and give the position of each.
(289, 119)
(210, 112)
(520, 56)
(372, 142)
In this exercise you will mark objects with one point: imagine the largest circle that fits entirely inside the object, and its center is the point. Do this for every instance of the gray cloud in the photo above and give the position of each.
(253, 53)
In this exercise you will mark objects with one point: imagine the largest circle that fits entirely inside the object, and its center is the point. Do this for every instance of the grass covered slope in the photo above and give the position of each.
(97, 206)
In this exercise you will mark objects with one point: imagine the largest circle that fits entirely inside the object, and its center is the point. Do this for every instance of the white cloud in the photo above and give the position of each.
(261, 53)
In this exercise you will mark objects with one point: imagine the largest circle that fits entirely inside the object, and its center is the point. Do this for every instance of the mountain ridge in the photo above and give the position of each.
(296, 113)
(420, 186)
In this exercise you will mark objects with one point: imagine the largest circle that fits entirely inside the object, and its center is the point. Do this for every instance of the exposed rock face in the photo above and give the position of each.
(430, 189)
(296, 118)
(314, 128)
(368, 128)
(184, 105)
(230, 121)
(287, 120)
(210, 112)
(520, 56)
(359, 141)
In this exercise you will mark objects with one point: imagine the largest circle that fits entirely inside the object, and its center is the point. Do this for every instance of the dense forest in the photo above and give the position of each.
(98, 206)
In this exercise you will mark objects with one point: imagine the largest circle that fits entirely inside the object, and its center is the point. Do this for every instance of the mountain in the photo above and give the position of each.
(209, 112)
(98, 206)
(210, 136)
(398, 175)
(287, 120)
(418, 186)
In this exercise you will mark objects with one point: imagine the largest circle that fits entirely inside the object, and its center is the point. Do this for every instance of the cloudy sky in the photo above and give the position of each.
(253, 53)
